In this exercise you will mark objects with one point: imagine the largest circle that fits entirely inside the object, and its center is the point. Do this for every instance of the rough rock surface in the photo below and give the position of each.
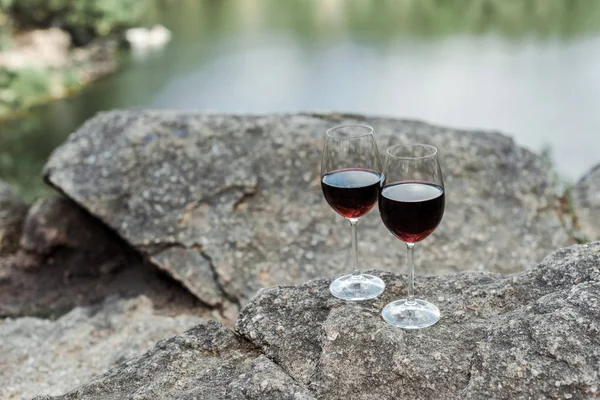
(206, 362)
(522, 336)
(531, 335)
(12, 213)
(41, 356)
(586, 196)
(229, 204)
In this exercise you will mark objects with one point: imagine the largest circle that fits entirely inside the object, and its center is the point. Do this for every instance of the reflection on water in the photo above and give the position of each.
(528, 68)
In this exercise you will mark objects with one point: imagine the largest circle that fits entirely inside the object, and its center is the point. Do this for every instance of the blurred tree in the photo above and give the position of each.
(83, 19)
(388, 19)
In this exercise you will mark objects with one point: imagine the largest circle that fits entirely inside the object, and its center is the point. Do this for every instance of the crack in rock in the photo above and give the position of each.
(194, 271)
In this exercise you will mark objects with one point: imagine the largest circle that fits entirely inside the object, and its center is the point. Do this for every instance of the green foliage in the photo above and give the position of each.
(563, 188)
(24, 88)
(22, 156)
(388, 19)
(558, 184)
(33, 13)
(84, 19)
(5, 40)
(30, 85)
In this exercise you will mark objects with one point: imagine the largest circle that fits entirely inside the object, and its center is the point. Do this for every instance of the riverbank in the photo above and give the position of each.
(42, 66)
(51, 50)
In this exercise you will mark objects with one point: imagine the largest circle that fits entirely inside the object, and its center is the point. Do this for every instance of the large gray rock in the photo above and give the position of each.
(228, 204)
(586, 198)
(12, 214)
(532, 335)
(41, 356)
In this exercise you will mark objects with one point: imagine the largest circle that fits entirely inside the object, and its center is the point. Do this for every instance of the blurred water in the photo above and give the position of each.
(536, 79)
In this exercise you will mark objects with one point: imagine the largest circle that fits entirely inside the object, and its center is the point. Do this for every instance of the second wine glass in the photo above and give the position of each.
(411, 204)
(350, 179)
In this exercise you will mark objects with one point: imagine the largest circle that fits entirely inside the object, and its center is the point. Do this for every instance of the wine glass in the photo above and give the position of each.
(411, 205)
(350, 179)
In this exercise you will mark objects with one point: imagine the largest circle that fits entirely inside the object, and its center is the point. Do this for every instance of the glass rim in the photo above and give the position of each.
(368, 128)
(433, 149)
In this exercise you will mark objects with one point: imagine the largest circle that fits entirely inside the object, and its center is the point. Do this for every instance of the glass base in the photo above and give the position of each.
(357, 287)
(419, 314)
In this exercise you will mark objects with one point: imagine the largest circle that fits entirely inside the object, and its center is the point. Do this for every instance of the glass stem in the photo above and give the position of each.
(410, 299)
(356, 270)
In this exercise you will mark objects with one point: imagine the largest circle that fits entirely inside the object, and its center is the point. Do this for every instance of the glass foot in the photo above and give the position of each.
(419, 314)
(357, 287)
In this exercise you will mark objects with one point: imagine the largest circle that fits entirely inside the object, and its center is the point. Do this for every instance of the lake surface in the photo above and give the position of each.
(531, 71)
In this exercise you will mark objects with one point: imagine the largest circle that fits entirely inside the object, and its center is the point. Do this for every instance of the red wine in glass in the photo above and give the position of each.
(351, 181)
(351, 192)
(411, 210)
(411, 205)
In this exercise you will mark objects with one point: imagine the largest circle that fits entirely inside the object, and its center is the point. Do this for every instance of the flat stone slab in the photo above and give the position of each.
(228, 204)
(41, 356)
